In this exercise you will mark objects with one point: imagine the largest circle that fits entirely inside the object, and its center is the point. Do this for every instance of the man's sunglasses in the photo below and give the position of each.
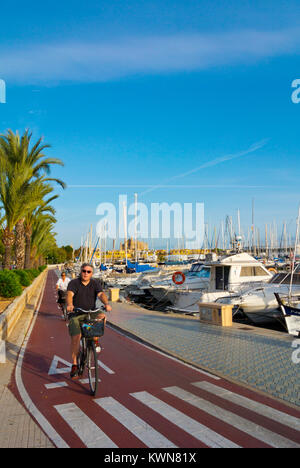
(87, 271)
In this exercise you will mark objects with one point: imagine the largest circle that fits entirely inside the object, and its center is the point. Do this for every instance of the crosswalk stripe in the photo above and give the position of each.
(90, 434)
(189, 425)
(255, 406)
(254, 430)
(139, 428)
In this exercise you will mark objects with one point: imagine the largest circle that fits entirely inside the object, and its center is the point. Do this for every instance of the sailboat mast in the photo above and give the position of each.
(125, 229)
(253, 230)
(295, 252)
(135, 226)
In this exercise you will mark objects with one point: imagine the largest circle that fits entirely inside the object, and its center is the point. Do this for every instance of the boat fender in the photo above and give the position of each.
(175, 277)
(272, 270)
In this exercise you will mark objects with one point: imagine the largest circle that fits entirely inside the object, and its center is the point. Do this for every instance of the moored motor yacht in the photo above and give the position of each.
(260, 304)
(229, 276)
(195, 278)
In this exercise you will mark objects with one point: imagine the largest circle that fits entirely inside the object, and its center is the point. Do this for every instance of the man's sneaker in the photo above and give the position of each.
(74, 372)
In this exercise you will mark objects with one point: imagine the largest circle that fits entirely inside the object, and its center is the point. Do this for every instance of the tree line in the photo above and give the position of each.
(27, 216)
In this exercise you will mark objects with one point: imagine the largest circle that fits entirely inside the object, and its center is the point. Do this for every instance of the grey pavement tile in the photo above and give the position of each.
(262, 362)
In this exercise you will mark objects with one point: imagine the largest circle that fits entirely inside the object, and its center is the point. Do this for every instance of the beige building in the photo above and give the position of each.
(132, 245)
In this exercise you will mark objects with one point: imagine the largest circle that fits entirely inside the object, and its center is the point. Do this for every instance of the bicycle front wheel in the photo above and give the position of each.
(92, 368)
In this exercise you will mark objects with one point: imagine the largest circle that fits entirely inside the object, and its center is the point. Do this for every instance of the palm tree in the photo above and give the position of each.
(21, 182)
(43, 237)
(43, 209)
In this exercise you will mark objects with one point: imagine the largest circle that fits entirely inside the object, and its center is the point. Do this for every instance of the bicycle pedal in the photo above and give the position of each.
(98, 349)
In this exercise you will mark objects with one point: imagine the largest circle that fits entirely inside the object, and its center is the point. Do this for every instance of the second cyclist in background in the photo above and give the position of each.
(61, 288)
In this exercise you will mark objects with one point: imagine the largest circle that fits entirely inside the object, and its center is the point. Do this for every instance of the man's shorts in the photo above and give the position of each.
(74, 323)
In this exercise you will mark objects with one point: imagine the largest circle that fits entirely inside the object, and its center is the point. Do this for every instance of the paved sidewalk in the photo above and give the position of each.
(260, 359)
(18, 429)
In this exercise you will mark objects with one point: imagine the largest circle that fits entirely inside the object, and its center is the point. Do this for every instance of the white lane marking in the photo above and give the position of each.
(43, 422)
(90, 434)
(139, 428)
(2, 352)
(187, 424)
(62, 370)
(250, 428)
(107, 369)
(86, 381)
(252, 405)
(50, 386)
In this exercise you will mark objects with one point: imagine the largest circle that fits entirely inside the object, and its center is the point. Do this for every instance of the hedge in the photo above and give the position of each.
(11, 281)
(23, 276)
(10, 285)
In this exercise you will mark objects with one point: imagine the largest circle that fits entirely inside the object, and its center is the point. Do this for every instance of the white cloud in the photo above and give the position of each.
(103, 61)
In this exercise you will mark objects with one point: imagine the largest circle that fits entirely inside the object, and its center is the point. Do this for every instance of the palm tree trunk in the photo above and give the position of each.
(20, 244)
(8, 242)
(28, 247)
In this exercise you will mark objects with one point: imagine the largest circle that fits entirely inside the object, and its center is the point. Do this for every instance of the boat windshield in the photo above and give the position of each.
(196, 267)
(201, 272)
(285, 278)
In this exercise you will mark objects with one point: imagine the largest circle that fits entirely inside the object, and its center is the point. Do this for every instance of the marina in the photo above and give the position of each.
(247, 277)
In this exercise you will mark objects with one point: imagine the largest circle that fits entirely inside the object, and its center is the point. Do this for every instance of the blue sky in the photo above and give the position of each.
(191, 94)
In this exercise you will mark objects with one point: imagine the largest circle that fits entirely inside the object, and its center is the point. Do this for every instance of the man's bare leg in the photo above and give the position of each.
(75, 344)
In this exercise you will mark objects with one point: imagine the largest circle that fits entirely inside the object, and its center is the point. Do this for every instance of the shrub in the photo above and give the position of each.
(9, 284)
(30, 274)
(23, 276)
(33, 273)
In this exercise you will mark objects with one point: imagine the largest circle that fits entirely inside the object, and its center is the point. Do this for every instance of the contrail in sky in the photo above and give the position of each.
(214, 162)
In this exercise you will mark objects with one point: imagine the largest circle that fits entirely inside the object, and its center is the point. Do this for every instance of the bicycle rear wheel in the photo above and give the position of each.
(92, 368)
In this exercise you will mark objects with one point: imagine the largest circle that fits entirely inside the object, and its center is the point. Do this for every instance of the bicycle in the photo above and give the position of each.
(87, 357)
(63, 304)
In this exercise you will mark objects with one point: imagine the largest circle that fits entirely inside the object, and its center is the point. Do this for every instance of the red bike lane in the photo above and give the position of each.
(145, 399)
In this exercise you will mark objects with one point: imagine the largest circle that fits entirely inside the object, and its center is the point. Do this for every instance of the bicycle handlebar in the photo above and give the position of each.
(77, 309)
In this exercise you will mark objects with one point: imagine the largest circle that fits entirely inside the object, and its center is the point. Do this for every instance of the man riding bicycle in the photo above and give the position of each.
(83, 293)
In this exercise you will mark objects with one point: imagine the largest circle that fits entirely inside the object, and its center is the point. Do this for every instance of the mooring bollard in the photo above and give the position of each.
(216, 314)
(114, 294)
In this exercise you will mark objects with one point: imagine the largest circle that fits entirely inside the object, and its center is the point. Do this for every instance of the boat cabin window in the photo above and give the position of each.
(253, 271)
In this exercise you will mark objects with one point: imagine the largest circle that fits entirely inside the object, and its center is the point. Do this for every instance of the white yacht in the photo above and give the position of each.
(195, 278)
(229, 276)
(260, 304)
